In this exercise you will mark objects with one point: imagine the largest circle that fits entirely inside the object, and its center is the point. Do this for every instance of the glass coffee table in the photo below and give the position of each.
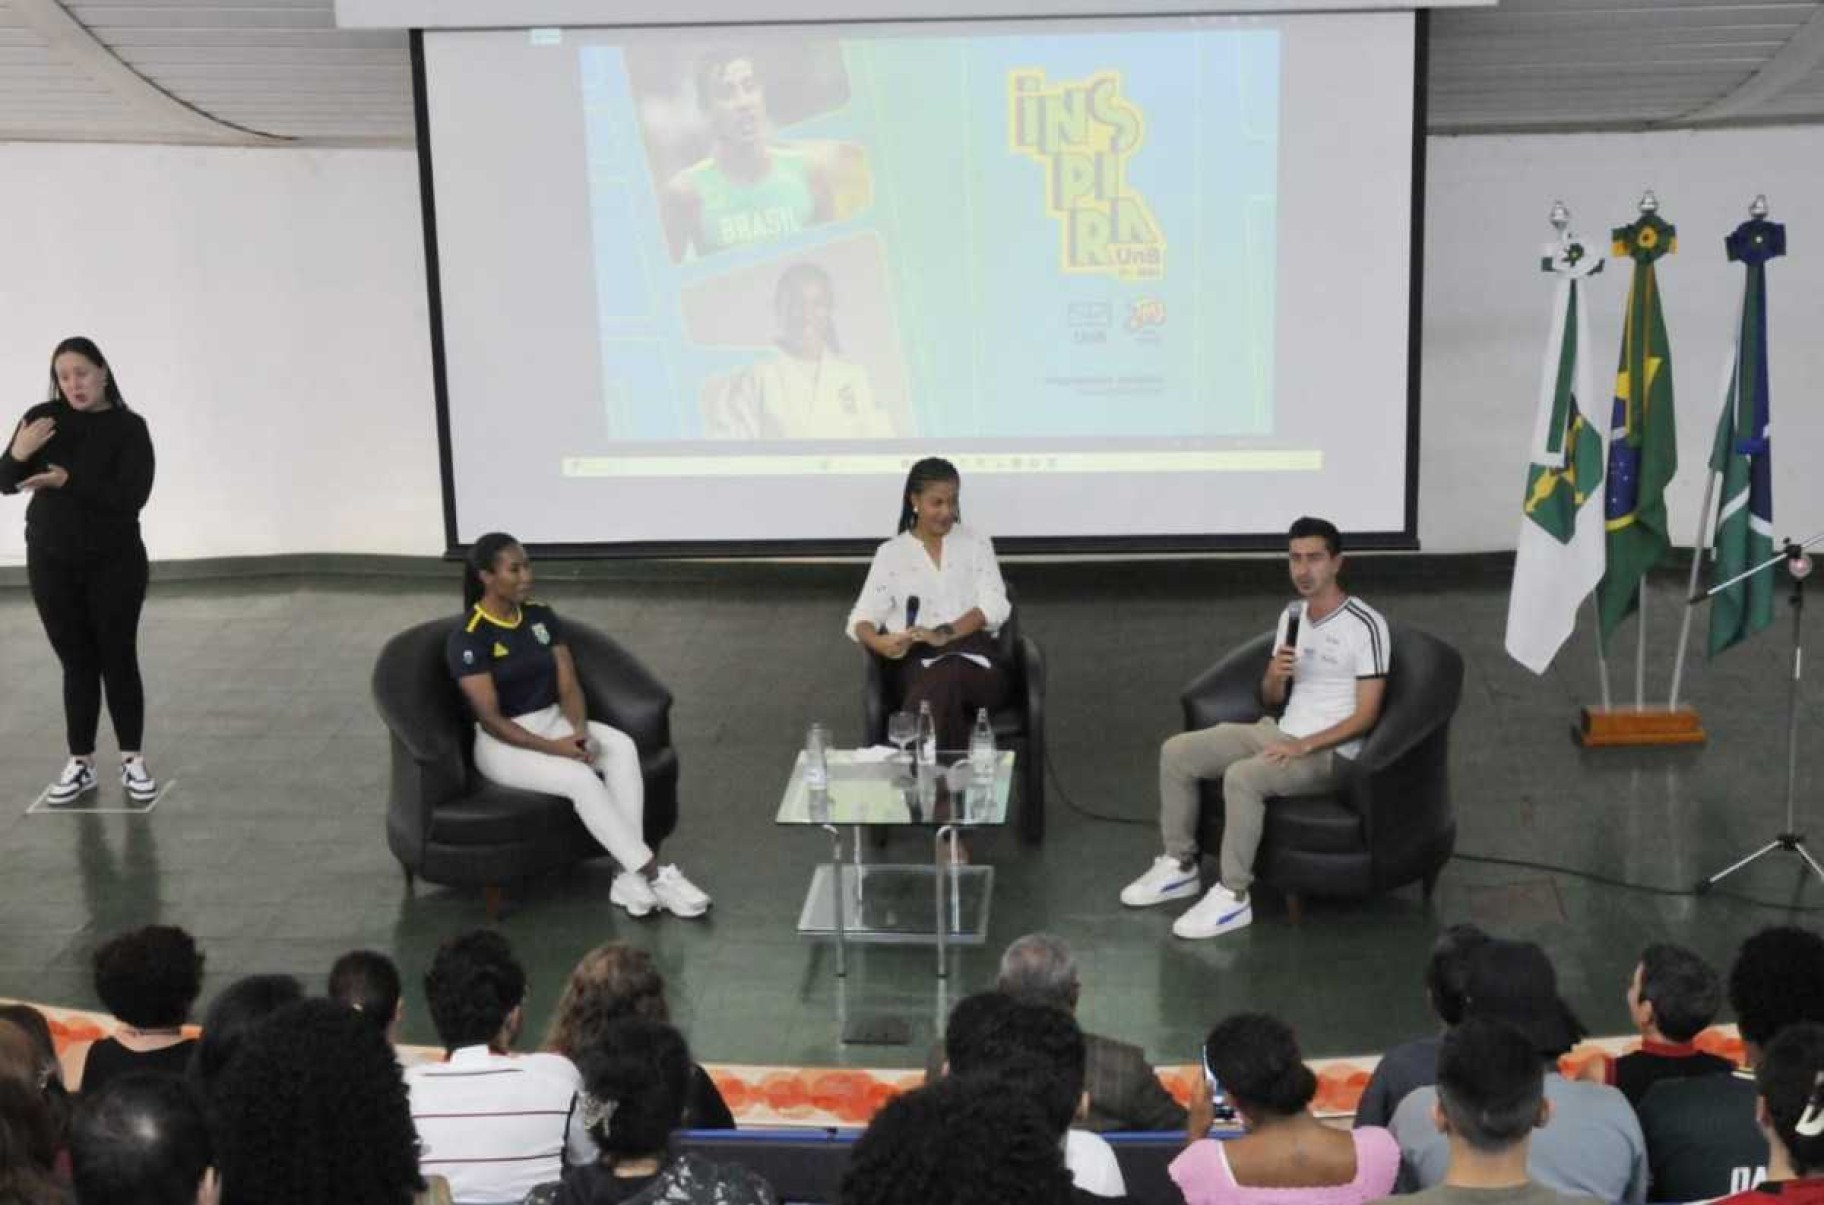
(938, 903)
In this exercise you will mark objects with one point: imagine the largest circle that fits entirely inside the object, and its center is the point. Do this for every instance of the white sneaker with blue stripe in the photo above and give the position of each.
(1166, 879)
(1219, 911)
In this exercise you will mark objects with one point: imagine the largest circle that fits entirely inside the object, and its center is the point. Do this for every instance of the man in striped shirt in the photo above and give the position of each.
(1330, 676)
(492, 1123)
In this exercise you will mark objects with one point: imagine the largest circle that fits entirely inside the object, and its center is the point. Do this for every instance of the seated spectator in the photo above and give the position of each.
(1702, 1140)
(1672, 997)
(1414, 1064)
(1489, 1100)
(1789, 1108)
(491, 1122)
(148, 978)
(143, 1140)
(312, 1109)
(1592, 1146)
(1124, 1091)
(47, 1072)
(1041, 1049)
(28, 1138)
(1286, 1155)
(242, 1006)
(368, 982)
(963, 1140)
(617, 980)
(636, 1079)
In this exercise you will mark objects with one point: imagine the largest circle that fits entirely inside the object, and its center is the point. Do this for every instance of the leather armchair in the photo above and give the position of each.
(448, 824)
(1390, 821)
(1019, 724)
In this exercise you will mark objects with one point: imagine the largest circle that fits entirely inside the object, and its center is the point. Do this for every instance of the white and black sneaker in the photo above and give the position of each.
(77, 780)
(141, 787)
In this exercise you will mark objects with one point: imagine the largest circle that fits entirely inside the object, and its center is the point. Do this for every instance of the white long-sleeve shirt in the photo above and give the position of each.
(970, 577)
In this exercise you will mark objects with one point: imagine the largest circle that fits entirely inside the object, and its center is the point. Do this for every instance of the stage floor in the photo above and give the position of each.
(271, 849)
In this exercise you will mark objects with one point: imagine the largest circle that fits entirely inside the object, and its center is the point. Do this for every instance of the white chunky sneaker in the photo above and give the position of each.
(78, 778)
(141, 786)
(677, 894)
(1218, 912)
(1164, 880)
(632, 892)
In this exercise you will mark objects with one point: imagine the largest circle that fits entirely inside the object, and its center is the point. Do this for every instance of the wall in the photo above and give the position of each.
(266, 311)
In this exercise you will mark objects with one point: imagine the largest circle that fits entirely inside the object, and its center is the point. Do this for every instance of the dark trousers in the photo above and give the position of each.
(955, 688)
(90, 610)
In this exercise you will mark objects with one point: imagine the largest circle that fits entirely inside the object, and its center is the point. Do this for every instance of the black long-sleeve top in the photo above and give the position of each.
(108, 455)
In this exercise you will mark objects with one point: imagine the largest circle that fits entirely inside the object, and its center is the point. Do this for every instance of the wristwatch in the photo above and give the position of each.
(947, 629)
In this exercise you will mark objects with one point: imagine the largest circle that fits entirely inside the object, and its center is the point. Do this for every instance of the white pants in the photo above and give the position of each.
(612, 806)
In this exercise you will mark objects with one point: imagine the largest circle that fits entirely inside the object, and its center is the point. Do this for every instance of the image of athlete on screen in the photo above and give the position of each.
(750, 189)
(804, 389)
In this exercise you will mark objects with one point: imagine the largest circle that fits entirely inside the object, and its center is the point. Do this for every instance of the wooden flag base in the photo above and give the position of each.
(1617, 727)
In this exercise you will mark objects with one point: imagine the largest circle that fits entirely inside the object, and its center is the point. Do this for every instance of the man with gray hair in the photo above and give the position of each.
(1124, 1093)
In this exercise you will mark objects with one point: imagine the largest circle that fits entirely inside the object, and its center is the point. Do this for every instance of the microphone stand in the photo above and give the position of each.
(1789, 839)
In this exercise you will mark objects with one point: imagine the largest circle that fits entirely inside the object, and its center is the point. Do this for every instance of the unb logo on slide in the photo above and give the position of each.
(1083, 132)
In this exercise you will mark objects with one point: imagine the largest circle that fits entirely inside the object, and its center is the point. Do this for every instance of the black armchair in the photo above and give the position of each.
(448, 824)
(1390, 822)
(1019, 723)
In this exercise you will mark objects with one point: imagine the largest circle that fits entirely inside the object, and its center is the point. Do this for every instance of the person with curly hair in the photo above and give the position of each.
(313, 1108)
(148, 979)
(143, 1141)
(636, 1079)
(241, 1007)
(612, 982)
(28, 1134)
(1702, 1139)
(964, 1140)
(1789, 1082)
(46, 1072)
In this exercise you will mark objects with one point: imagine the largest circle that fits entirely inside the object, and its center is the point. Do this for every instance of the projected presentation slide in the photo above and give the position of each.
(1059, 240)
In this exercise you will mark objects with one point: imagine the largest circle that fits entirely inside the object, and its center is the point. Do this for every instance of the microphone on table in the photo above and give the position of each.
(1295, 612)
(911, 611)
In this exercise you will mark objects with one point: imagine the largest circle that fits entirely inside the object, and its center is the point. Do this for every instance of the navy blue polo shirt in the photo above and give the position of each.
(517, 655)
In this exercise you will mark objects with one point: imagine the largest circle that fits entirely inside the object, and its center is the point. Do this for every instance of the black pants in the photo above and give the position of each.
(90, 610)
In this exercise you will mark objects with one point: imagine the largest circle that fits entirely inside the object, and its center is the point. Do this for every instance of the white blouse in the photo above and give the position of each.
(970, 578)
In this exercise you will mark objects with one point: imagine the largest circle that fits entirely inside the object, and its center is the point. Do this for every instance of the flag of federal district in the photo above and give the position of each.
(1559, 556)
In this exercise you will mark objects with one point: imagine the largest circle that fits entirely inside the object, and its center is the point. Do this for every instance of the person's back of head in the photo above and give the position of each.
(368, 982)
(28, 1141)
(142, 1140)
(241, 1007)
(1777, 980)
(636, 1082)
(1038, 1045)
(612, 981)
(1256, 1060)
(963, 1140)
(1491, 1085)
(1790, 1083)
(473, 988)
(1683, 990)
(149, 977)
(47, 1072)
(1042, 969)
(1447, 971)
(313, 1108)
(1515, 982)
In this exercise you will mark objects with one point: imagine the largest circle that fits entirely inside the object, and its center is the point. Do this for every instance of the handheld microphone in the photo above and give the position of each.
(1295, 612)
(911, 611)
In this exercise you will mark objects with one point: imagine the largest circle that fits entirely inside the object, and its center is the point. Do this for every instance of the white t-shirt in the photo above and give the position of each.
(494, 1125)
(902, 569)
(1092, 1164)
(784, 397)
(1334, 653)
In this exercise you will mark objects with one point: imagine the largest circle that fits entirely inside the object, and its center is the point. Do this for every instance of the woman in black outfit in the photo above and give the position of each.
(87, 462)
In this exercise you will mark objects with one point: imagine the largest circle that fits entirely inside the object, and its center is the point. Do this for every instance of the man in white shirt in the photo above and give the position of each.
(1330, 680)
(491, 1123)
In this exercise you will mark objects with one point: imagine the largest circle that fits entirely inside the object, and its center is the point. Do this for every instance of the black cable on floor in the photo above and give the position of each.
(1603, 880)
(1057, 785)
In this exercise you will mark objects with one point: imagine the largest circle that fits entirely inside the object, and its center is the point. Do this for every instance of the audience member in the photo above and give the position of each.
(1414, 1064)
(636, 1080)
(617, 980)
(491, 1122)
(240, 1008)
(1702, 1140)
(47, 1072)
(1789, 1082)
(1593, 1145)
(963, 1140)
(1124, 1091)
(1286, 1155)
(143, 1140)
(1041, 1049)
(149, 979)
(312, 1109)
(368, 982)
(1673, 996)
(1490, 1097)
(28, 1140)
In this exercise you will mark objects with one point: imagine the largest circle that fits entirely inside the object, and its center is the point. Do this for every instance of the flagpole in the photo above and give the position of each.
(1602, 657)
(1640, 649)
(1698, 548)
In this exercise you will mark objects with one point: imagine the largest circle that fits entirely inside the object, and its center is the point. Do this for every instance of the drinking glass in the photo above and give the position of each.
(902, 730)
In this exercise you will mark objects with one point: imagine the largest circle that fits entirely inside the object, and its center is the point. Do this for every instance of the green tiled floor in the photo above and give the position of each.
(271, 848)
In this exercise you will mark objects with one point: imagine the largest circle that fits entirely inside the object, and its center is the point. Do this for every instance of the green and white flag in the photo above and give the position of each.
(1559, 557)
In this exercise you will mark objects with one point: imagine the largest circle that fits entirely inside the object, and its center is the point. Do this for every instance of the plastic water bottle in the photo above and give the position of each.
(927, 736)
(981, 746)
(816, 758)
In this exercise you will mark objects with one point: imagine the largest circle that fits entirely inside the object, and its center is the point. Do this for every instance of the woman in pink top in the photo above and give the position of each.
(1285, 1156)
